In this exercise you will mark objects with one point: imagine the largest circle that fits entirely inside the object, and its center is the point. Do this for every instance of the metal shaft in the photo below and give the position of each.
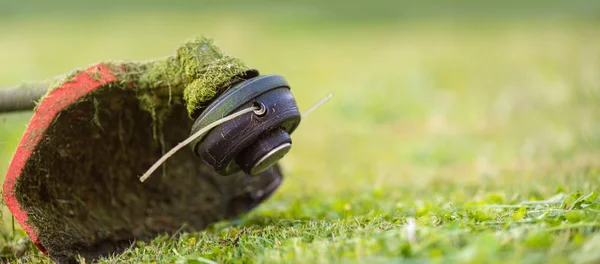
(21, 98)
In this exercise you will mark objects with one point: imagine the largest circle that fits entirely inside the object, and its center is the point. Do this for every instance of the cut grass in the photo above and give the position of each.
(487, 136)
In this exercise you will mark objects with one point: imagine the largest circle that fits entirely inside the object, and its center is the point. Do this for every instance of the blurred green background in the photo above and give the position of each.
(501, 96)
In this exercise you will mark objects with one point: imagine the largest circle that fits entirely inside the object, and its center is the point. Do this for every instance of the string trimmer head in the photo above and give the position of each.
(73, 183)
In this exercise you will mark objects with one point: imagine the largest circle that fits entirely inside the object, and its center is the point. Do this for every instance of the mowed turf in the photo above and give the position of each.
(446, 141)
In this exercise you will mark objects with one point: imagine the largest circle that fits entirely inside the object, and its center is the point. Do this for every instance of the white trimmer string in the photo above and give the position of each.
(212, 125)
(317, 105)
(192, 137)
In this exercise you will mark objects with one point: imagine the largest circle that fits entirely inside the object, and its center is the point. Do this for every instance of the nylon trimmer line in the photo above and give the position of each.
(212, 125)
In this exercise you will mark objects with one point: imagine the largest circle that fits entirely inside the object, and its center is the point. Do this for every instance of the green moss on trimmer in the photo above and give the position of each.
(198, 71)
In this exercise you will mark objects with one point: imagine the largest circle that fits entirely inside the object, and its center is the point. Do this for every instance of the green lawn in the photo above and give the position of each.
(446, 140)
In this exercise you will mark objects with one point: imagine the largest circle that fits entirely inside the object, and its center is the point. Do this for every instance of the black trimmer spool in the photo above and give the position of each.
(252, 142)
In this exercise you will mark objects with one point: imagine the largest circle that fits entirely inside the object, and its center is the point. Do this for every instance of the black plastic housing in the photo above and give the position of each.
(246, 141)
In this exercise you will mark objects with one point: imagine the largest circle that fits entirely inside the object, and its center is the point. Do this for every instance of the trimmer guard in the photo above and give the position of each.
(73, 183)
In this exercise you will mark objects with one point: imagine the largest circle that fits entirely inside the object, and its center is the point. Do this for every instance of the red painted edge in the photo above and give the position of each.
(69, 92)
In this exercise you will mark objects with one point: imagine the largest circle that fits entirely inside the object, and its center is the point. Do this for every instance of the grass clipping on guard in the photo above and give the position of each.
(80, 185)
